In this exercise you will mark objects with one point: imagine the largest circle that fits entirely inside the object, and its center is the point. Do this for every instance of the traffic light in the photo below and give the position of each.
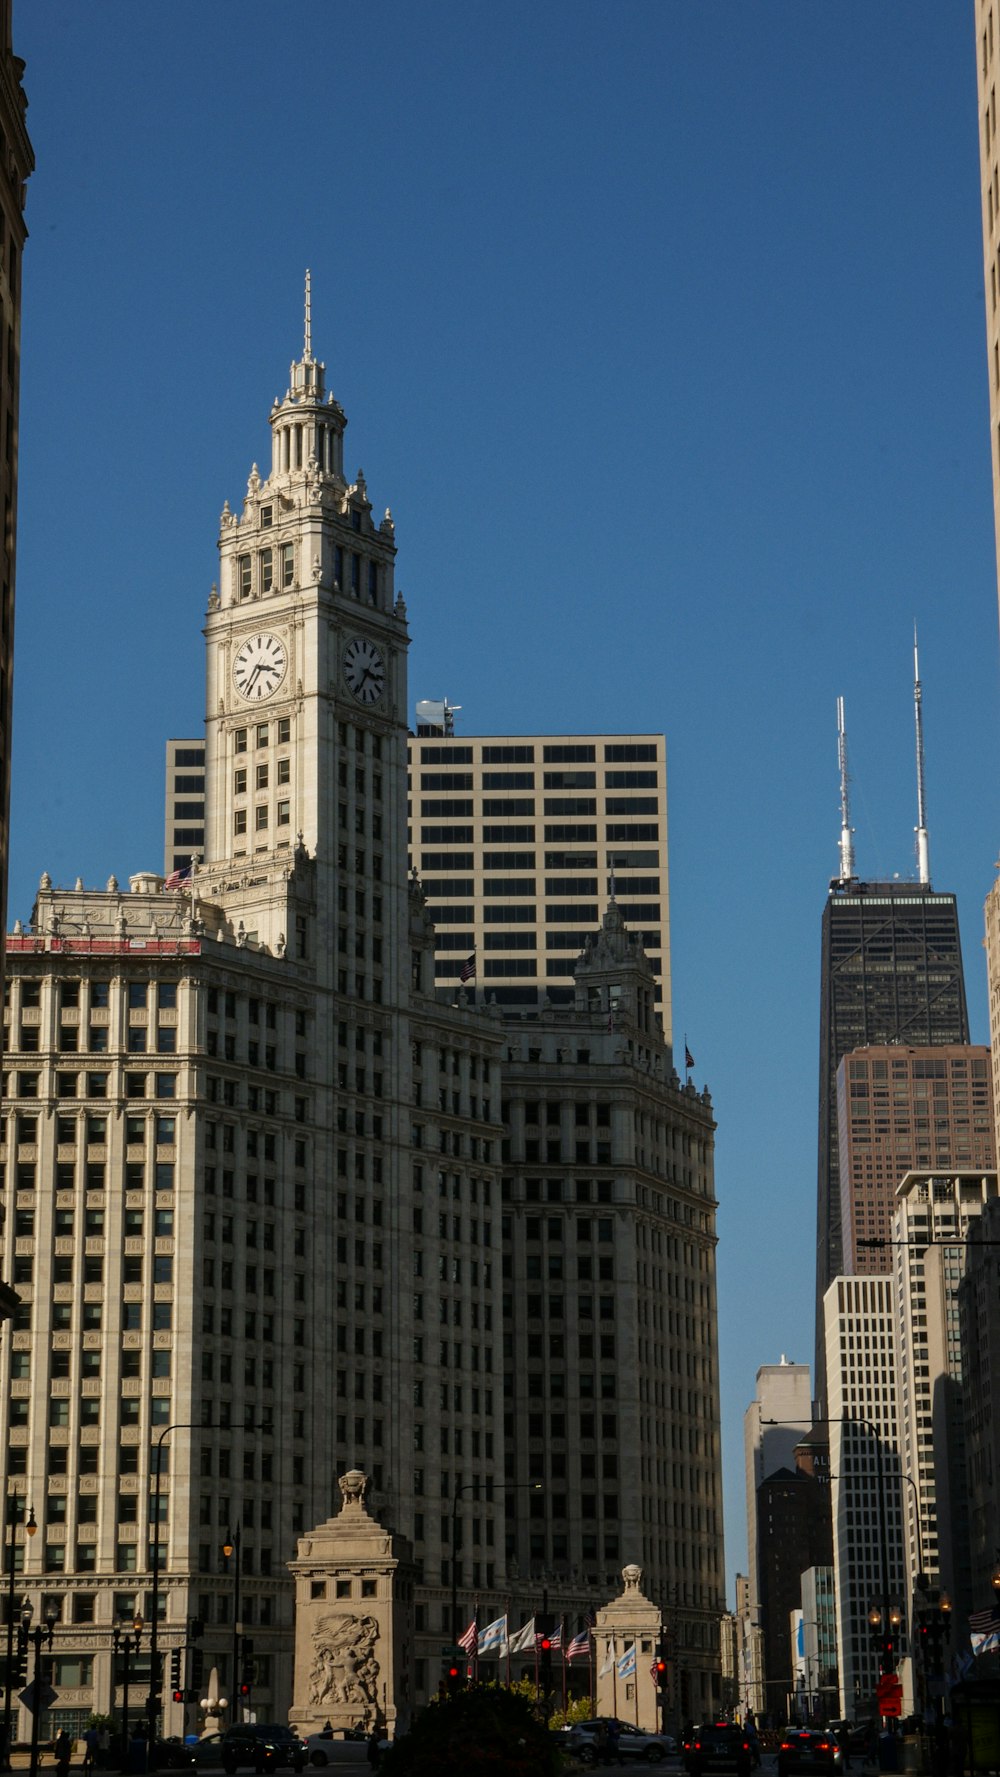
(175, 1671)
(178, 1696)
(661, 1672)
(454, 1678)
(543, 1642)
(246, 1666)
(197, 1670)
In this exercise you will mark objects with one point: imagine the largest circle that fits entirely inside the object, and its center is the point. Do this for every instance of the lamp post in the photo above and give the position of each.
(231, 1547)
(126, 1645)
(35, 1637)
(932, 1625)
(30, 1528)
(155, 1676)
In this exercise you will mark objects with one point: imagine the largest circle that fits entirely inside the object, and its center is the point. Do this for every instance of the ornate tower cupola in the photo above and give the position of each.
(307, 427)
(614, 975)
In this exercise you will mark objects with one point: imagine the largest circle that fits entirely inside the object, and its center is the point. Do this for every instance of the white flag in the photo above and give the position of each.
(524, 1638)
(610, 1659)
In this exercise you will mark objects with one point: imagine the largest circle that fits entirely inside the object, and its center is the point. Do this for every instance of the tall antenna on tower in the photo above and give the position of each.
(846, 832)
(308, 351)
(923, 843)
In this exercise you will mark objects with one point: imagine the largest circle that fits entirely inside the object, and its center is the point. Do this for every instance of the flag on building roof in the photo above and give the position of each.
(523, 1639)
(469, 1639)
(468, 970)
(178, 878)
(493, 1638)
(579, 1647)
(688, 1057)
(626, 1665)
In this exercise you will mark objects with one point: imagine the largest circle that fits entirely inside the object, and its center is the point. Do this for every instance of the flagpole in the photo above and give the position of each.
(562, 1648)
(614, 1677)
(590, 1663)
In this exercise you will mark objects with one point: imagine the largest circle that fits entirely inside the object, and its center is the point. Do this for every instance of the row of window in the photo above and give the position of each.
(139, 1037)
(97, 994)
(260, 734)
(269, 562)
(25, 1085)
(453, 808)
(523, 753)
(442, 781)
(579, 832)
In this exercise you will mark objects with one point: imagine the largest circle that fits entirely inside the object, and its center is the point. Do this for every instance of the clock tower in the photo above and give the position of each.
(306, 705)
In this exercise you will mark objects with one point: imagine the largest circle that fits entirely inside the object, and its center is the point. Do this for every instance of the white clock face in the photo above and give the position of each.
(364, 670)
(259, 667)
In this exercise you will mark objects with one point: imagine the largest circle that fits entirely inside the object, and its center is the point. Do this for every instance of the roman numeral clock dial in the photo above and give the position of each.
(259, 667)
(364, 670)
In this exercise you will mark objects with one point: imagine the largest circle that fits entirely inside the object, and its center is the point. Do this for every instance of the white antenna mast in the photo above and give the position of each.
(307, 354)
(846, 831)
(923, 843)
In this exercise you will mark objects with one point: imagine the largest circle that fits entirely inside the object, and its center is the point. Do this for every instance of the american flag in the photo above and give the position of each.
(470, 1638)
(981, 1620)
(178, 878)
(579, 1647)
(468, 970)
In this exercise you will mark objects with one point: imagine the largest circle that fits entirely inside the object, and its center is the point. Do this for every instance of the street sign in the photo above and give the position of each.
(453, 1653)
(38, 1696)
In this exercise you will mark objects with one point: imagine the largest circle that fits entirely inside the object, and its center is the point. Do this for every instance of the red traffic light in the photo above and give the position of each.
(661, 1665)
(545, 1645)
(244, 1690)
(178, 1696)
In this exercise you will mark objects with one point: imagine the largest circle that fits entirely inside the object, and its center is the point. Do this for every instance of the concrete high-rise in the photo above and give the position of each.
(866, 1505)
(18, 164)
(519, 841)
(900, 1110)
(773, 1426)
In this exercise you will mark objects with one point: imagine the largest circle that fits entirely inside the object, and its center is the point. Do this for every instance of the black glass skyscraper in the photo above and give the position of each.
(891, 972)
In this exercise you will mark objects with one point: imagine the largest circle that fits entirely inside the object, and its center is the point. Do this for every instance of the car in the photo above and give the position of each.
(172, 1754)
(718, 1746)
(320, 1747)
(207, 1751)
(261, 1746)
(809, 1749)
(587, 1740)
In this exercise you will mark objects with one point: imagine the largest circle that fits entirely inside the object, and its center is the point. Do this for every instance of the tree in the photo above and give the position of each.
(484, 1729)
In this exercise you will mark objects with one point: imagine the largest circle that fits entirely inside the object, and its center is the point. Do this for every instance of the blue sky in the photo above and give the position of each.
(660, 328)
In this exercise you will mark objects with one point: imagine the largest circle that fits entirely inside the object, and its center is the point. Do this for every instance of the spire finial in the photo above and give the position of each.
(308, 351)
(846, 836)
(923, 842)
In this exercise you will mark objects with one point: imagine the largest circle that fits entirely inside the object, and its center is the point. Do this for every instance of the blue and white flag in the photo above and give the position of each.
(626, 1665)
(493, 1638)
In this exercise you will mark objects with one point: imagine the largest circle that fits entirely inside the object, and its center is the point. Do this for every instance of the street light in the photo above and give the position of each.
(232, 1546)
(30, 1528)
(155, 1676)
(126, 1645)
(34, 1637)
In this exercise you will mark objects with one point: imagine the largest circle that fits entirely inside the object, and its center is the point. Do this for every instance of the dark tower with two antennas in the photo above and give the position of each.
(891, 972)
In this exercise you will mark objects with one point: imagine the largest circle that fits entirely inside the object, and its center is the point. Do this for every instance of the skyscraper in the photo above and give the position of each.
(255, 1173)
(891, 972)
(18, 164)
(987, 35)
(899, 1110)
(519, 841)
